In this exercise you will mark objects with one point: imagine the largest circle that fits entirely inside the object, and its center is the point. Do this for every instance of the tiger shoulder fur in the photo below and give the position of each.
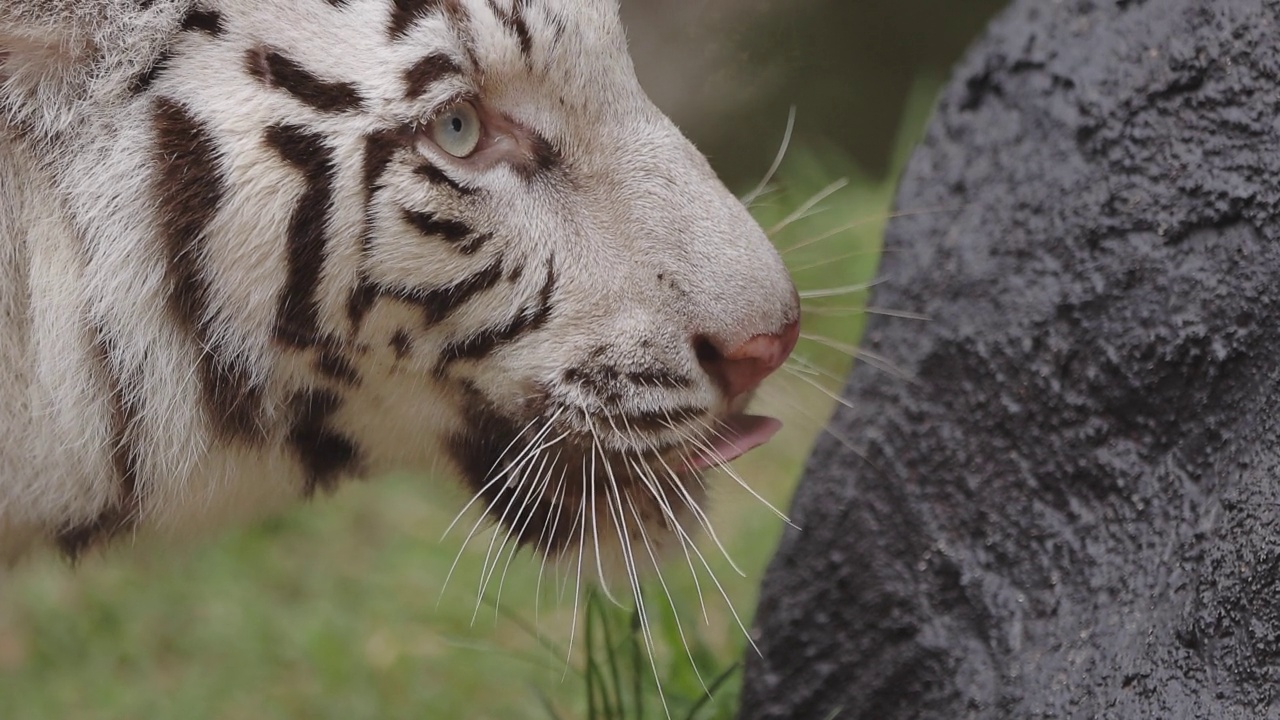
(250, 249)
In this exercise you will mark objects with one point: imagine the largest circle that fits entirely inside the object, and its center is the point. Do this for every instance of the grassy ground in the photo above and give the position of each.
(335, 610)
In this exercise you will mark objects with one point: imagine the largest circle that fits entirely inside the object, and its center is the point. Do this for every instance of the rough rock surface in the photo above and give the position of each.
(1074, 512)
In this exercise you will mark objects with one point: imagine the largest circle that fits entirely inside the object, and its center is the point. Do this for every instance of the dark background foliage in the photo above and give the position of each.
(728, 70)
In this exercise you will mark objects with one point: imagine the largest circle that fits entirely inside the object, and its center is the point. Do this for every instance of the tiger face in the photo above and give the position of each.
(394, 235)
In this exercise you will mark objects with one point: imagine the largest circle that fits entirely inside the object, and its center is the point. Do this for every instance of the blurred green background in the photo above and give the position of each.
(336, 610)
(728, 70)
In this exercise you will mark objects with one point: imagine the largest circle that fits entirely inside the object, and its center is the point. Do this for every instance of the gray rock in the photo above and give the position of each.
(1075, 510)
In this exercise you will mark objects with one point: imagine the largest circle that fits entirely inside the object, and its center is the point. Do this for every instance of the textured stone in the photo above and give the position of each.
(1074, 512)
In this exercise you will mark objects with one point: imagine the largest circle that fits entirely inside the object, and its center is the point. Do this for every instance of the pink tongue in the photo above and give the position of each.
(735, 437)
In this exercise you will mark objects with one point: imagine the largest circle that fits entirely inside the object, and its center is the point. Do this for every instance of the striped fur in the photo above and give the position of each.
(237, 270)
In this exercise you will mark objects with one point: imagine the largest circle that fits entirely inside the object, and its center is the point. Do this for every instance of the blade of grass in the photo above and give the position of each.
(711, 691)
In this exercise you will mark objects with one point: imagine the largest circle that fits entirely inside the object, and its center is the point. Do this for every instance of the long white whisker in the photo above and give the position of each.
(595, 519)
(702, 518)
(786, 399)
(864, 310)
(819, 387)
(517, 464)
(633, 576)
(723, 594)
(826, 261)
(471, 533)
(839, 291)
(657, 568)
(675, 522)
(577, 587)
(875, 360)
(528, 449)
(728, 470)
(777, 161)
(809, 204)
(486, 571)
(859, 223)
(544, 547)
(531, 504)
(797, 363)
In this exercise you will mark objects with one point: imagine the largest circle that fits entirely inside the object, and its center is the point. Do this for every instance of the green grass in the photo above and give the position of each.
(334, 610)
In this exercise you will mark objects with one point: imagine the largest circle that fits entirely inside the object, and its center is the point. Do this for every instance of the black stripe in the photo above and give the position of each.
(404, 13)
(438, 177)
(362, 299)
(206, 21)
(189, 188)
(297, 314)
(379, 149)
(335, 365)
(144, 80)
(486, 341)
(515, 22)
(126, 411)
(452, 231)
(325, 455)
(439, 303)
(125, 510)
(545, 158)
(427, 72)
(275, 70)
(402, 344)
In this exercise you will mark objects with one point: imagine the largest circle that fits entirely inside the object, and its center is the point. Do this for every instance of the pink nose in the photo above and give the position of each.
(741, 369)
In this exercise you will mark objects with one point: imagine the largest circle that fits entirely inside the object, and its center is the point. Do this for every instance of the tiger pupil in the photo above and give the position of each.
(456, 124)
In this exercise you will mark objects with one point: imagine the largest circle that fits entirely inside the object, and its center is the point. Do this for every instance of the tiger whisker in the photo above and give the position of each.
(865, 310)
(719, 587)
(577, 587)
(628, 561)
(826, 261)
(777, 160)
(516, 464)
(675, 521)
(657, 568)
(881, 217)
(733, 474)
(803, 211)
(546, 429)
(774, 395)
(796, 363)
(595, 519)
(503, 528)
(480, 519)
(873, 359)
(839, 291)
(530, 504)
(558, 504)
(818, 386)
(702, 518)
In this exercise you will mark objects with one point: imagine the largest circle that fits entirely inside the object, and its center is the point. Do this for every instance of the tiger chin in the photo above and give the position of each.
(252, 249)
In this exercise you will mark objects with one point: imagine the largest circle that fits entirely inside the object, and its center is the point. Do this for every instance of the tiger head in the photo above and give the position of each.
(399, 233)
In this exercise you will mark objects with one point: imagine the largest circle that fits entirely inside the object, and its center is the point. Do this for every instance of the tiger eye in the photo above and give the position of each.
(457, 130)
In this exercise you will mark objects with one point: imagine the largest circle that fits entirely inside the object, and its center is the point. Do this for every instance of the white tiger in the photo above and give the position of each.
(250, 248)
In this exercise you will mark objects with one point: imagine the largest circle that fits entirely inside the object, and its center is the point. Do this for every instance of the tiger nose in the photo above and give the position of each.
(741, 369)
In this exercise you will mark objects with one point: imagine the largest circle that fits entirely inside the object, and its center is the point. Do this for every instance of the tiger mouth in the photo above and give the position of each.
(550, 487)
(738, 435)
